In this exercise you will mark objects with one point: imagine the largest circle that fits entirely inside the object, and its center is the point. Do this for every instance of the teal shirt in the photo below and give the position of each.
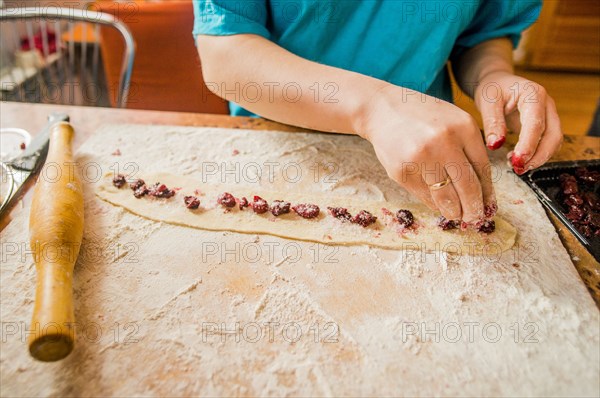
(407, 43)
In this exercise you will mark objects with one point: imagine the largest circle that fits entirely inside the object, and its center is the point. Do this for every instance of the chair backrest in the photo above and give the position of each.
(51, 55)
(167, 75)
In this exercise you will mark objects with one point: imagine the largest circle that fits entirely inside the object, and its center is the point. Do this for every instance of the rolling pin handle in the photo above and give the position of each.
(56, 231)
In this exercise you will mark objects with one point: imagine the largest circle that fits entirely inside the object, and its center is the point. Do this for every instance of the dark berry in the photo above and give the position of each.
(340, 213)
(364, 218)
(191, 202)
(119, 180)
(575, 213)
(226, 199)
(140, 191)
(243, 203)
(306, 210)
(568, 184)
(260, 205)
(573, 200)
(134, 185)
(487, 226)
(405, 218)
(446, 224)
(490, 210)
(280, 207)
(159, 190)
(580, 202)
(588, 177)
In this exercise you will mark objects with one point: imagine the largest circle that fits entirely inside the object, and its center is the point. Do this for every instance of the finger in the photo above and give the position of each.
(410, 179)
(467, 185)
(494, 123)
(445, 197)
(532, 110)
(551, 139)
(512, 121)
(419, 189)
(477, 156)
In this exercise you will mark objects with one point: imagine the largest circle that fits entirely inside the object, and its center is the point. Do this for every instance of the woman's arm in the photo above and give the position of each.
(291, 89)
(420, 140)
(485, 72)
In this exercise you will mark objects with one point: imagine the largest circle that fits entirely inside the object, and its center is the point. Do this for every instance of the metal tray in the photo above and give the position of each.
(544, 182)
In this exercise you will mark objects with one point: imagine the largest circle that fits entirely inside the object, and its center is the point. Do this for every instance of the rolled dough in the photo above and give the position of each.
(323, 229)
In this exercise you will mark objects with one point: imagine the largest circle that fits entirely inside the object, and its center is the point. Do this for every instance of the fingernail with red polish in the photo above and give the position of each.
(518, 163)
(495, 143)
(517, 160)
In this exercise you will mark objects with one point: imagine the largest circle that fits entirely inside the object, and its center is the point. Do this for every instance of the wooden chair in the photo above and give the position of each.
(167, 74)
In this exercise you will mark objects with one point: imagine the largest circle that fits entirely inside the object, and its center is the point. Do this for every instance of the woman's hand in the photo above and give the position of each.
(422, 141)
(509, 101)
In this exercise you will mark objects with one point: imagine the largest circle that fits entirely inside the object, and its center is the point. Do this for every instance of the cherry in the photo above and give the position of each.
(226, 199)
(191, 202)
(306, 210)
(119, 180)
(405, 218)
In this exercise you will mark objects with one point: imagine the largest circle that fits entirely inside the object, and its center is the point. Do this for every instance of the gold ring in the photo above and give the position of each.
(440, 185)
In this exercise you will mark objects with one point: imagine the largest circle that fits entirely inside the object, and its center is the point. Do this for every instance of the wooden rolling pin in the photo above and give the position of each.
(56, 231)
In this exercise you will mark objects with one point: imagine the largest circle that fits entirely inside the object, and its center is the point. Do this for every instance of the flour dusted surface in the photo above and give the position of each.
(168, 310)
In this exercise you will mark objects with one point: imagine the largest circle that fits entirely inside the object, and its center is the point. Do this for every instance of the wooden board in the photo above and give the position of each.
(167, 310)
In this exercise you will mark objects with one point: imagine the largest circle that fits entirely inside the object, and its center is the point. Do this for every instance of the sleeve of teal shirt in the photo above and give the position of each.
(493, 19)
(230, 17)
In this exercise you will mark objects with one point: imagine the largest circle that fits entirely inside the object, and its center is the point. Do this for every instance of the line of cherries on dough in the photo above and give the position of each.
(403, 217)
